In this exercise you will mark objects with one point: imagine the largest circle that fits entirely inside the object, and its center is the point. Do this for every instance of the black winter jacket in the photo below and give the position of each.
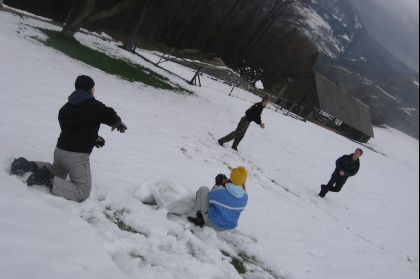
(346, 164)
(80, 120)
(254, 113)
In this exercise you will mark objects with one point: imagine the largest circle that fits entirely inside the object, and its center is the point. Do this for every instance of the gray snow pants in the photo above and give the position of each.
(202, 204)
(75, 165)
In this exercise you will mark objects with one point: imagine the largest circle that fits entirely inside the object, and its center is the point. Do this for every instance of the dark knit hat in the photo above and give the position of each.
(84, 82)
(219, 179)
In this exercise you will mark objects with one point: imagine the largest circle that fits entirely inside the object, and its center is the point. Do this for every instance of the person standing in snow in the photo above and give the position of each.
(221, 207)
(253, 114)
(346, 166)
(80, 119)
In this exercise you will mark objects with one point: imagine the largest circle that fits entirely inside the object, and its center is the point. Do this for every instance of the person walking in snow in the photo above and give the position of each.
(253, 114)
(221, 207)
(80, 119)
(346, 166)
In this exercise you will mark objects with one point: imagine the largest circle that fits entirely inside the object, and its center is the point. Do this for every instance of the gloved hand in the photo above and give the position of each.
(121, 127)
(100, 142)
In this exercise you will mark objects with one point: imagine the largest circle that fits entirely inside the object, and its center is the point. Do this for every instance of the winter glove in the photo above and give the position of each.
(100, 142)
(121, 127)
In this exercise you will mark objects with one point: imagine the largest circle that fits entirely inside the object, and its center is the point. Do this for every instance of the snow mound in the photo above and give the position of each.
(167, 194)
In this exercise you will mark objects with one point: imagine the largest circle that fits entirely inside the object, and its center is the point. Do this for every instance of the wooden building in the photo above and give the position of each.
(313, 97)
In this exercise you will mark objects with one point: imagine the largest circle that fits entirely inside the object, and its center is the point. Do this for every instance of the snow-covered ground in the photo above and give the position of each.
(368, 231)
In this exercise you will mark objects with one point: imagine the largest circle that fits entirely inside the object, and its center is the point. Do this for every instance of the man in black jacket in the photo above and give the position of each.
(80, 119)
(253, 114)
(346, 166)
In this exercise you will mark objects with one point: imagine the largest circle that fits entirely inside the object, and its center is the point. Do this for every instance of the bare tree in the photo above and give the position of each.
(275, 12)
(249, 21)
(222, 22)
(85, 14)
(133, 38)
(177, 13)
(71, 11)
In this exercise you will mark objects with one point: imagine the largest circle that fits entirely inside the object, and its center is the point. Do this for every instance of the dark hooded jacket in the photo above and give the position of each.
(254, 113)
(346, 164)
(80, 119)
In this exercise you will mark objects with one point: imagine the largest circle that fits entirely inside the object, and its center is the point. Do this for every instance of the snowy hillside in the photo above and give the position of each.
(330, 24)
(368, 231)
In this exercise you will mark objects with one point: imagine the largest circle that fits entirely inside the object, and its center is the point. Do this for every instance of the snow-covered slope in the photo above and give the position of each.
(370, 230)
(330, 24)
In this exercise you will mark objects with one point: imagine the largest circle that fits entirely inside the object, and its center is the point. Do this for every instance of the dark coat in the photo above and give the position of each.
(254, 113)
(80, 120)
(346, 164)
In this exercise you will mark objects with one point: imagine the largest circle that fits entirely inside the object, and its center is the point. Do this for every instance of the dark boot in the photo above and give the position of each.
(197, 221)
(221, 142)
(21, 166)
(324, 191)
(236, 142)
(42, 177)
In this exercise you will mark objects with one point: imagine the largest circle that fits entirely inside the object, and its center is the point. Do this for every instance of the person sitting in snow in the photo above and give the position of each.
(346, 166)
(221, 207)
(80, 119)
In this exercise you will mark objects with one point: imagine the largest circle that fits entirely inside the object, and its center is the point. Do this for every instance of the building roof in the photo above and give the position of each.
(341, 105)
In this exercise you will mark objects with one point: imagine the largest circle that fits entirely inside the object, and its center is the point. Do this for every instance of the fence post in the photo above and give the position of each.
(196, 76)
(231, 90)
(301, 109)
(163, 55)
(290, 109)
(280, 106)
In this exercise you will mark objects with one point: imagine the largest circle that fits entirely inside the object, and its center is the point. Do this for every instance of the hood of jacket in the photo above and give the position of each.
(79, 96)
(235, 190)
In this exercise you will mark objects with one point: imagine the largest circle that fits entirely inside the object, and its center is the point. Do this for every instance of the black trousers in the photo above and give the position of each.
(335, 185)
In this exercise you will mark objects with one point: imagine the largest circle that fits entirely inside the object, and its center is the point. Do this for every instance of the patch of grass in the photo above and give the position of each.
(115, 217)
(238, 264)
(243, 259)
(108, 64)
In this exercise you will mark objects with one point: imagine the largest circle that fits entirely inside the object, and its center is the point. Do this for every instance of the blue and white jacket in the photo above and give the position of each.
(226, 205)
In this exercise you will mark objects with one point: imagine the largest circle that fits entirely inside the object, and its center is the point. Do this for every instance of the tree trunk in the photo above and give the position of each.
(177, 22)
(71, 11)
(229, 13)
(73, 27)
(232, 19)
(133, 38)
(86, 15)
(168, 23)
(118, 8)
(269, 42)
(241, 44)
(273, 14)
